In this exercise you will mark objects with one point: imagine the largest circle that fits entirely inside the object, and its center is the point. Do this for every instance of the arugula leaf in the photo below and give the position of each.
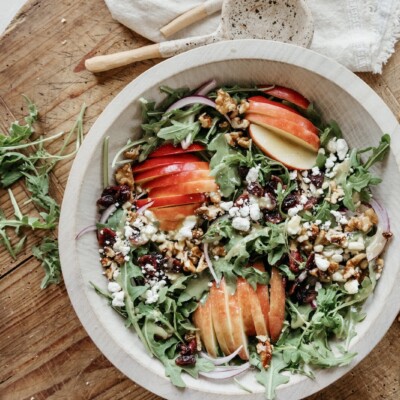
(179, 131)
(330, 132)
(378, 153)
(220, 228)
(47, 252)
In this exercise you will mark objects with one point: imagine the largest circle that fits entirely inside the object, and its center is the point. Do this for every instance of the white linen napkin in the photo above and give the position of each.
(360, 34)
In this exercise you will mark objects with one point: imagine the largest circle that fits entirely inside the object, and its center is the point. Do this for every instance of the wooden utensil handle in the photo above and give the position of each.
(110, 61)
(186, 19)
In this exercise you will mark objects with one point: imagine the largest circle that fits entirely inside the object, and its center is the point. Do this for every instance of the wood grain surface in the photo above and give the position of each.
(44, 351)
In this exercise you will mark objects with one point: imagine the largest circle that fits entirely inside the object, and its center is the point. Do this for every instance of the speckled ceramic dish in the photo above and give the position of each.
(340, 95)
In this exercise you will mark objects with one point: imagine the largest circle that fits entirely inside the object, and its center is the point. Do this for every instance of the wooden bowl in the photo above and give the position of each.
(340, 94)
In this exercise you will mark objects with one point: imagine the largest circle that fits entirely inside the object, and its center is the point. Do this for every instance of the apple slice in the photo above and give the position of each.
(238, 329)
(263, 295)
(169, 170)
(167, 160)
(276, 315)
(261, 99)
(169, 149)
(283, 147)
(242, 294)
(290, 95)
(166, 225)
(221, 318)
(175, 179)
(205, 186)
(173, 200)
(273, 109)
(174, 213)
(202, 319)
(257, 313)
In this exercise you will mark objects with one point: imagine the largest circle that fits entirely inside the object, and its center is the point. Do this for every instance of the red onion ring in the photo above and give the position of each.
(224, 373)
(189, 100)
(206, 88)
(142, 209)
(107, 212)
(84, 231)
(209, 263)
(221, 360)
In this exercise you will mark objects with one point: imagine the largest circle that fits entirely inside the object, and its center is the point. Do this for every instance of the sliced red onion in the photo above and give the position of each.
(190, 100)
(225, 373)
(221, 360)
(84, 231)
(142, 209)
(302, 276)
(209, 263)
(186, 142)
(106, 214)
(313, 304)
(206, 88)
(379, 240)
(139, 196)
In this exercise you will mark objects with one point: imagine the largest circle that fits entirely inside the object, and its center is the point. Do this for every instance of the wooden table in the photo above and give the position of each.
(44, 351)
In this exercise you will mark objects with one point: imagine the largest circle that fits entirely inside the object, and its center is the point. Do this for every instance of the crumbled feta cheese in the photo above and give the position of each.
(329, 163)
(226, 205)
(337, 258)
(128, 231)
(356, 246)
(293, 225)
(321, 262)
(241, 224)
(234, 212)
(306, 180)
(303, 199)
(244, 211)
(252, 175)
(328, 253)
(138, 223)
(318, 248)
(152, 294)
(343, 220)
(302, 238)
(318, 286)
(321, 150)
(351, 286)
(315, 171)
(116, 274)
(150, 216)
(325, 185)
(148, 231)
(332, 146)
(121, 246)
(341, 148)
(318, 222)
(304, 173)
(295, 210)
(293, 175)
(338, 277)
(118, 299)
(255, 213)
(113, 287)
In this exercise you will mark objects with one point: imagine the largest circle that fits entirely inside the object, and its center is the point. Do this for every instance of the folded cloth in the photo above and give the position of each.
(360, 34)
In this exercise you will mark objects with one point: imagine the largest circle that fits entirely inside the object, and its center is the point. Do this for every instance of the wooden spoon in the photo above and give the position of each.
(288, 21)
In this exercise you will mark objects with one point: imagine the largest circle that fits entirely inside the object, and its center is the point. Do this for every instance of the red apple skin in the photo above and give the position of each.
(238, 329)
(242, 294)
(157, 172)
(261, 99)
(291, 95)
(169, 149)
(271, 110)
(277, 307)
(310, 139)
(220, 318)
(166, 160)
(174, 213)
(202, 319)
(175, 179)
(206, 186)
(173, 200)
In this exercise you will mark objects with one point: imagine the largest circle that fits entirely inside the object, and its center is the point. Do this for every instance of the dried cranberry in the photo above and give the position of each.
(255, 189)
(124, 194)
(182, 349)
(273, 216)
(114, 194)
(317, 180)
(105, 201)
(153, 259)
(243, 171)
(175, 265)
(107, 237)
(192, 346)
(291, 200)
(241, 200)
(294, 260)
(185, 360)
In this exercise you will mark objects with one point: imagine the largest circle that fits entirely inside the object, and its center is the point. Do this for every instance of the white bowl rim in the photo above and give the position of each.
(230, 50)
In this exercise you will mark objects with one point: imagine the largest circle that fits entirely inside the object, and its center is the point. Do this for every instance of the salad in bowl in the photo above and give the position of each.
(240, 232)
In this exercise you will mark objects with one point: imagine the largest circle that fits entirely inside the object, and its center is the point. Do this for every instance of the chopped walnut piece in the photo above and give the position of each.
(109, 272)
(201, 265)
(109, 252)
(132, 154)
(119, 258)
(105, 262)
(215, 197)
(224, 102)
(244, 142)
(243, 106)
(238, 123)
(196, 252)
(363, 222)
(124, 175)
(197, 233)
(209, 213)
(218, 251)
(264, 349)
(205, 120)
